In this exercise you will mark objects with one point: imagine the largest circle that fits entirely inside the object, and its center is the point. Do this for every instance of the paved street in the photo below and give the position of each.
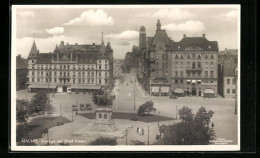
(224, 119)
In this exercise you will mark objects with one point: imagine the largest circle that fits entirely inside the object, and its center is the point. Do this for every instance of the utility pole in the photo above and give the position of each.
(148, 134)
(126, 136)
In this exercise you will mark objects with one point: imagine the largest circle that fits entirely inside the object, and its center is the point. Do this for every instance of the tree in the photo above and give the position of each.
(102, 98)
(40, 103)
(22, 112)
(146, 107)
(104, 141)
(192, 130)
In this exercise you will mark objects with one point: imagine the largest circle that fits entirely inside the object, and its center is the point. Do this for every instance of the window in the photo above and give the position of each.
(181, 56)
(163, 65)
(162, 56)
(176, 73)
(198, 82)
(60, 73)
(188, 57)
(234, 81)
(193, 73)
(32, 66)
(233, 91)
(99, 74)
(99, 61)
(79, 66)
(228, 81)
(60, 66)
(99, 81)
(211, 74)
(188, 81)
(181, 73)
(38, 80)
(166, 65)
(211, 57)
(32, 79)
(199, 65)
(206, 56)
(55, 80)
(166, 56)
(32, 61)
(176, 81)
(105, 61)
(64, 66)
(74, 67)
(206, 73)
(228, 91)
(92, 74)
(211, 81)
(92, 80)
(99, 67)
(88, 80)
(211, 64)
(188, 74)
(54, 66)
(193, 65)
(106, 74)
(33, 73)
(199, 57)
(88, 74)
(193, 56)
(181, 81)
(176, 56)
(106, 66)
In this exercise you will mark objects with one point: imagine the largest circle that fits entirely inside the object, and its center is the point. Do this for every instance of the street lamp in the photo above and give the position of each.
(158, 118)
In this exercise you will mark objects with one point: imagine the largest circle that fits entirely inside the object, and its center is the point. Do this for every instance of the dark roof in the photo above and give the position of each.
(229, 52)
(201, 42)
(160, 36)
(142, 28)
(45, 58)
(229, 68)
(34, 52)
(20, 62)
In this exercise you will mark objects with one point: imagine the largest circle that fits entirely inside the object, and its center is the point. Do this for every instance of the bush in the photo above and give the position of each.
(104, 141)
(146, 107)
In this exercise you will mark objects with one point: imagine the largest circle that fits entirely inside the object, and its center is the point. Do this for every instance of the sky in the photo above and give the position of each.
(120, 25)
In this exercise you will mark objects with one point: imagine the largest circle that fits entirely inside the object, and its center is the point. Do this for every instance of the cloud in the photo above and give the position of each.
(92, 18)
(26, 13)
(231, 14)
(123, 43)
(173, 13)
(188, 26)
(55, 31)
(125, 35)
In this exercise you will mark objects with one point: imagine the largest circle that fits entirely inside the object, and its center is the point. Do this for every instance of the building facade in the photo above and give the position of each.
(21, 73)
(187, 67)
(71, 68)
(227, 81)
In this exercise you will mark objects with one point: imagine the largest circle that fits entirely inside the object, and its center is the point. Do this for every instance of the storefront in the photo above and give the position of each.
(155, 91)
(164, 91)
(209, 93)
(34, 88)
(178, 92)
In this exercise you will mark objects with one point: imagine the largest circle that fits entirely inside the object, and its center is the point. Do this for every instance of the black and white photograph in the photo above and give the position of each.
(125, 78)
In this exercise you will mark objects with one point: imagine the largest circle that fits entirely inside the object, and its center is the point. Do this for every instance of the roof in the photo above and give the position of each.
(142, 29)
(200, 42)
(160, 36)
(229, 52)
(34, 51)
(229, 67)
(21, 63)
(44, 58)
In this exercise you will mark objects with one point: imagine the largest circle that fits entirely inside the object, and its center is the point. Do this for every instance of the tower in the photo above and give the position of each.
(142, 38)
(158, 25)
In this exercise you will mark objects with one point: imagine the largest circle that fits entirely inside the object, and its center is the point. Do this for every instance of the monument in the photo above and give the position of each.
(104, 121)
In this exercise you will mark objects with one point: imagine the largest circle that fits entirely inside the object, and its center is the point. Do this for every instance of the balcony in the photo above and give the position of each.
(193, 69)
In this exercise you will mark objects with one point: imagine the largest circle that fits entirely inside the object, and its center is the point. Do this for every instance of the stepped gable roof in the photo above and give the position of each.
(201, 42)
(20, 62)
(160, 36)
(229, 67)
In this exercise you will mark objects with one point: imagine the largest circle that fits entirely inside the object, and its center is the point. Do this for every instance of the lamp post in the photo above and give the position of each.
(148, 134)
(158, 118)
(176, 111)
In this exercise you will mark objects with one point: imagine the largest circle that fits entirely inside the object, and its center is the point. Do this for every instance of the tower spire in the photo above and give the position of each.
(102, 37)
(158, 25)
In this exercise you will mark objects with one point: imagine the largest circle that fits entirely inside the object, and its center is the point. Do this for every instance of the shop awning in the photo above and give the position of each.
(209, 91)
(85, 87)
(178, 90)
(42, 86)
(165, 89)
(198, 80)
(155, 89)
(193, 81)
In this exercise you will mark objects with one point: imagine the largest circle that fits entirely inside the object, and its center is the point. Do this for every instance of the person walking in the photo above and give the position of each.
(137, 130)
(212, 125)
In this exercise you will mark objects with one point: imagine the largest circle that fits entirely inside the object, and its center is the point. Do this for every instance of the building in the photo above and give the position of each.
(228, 60)
(187, 67)
(71, 68)
(131, 59)
(21, 72)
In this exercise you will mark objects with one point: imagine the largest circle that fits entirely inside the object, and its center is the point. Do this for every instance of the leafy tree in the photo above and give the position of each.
(22, 112)
(102, 98)
(40, 103)
(146, 107)
(104, 141)
(192, 130)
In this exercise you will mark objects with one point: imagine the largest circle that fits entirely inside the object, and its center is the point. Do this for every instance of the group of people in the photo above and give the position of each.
(140, 131)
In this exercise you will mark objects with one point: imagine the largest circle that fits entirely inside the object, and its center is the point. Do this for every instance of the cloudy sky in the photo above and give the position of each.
(48, 26)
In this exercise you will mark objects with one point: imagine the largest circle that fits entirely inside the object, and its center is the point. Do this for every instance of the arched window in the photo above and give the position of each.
(211, 57)
(176, 56)
(193, 65)
(181, 56)
(199, 57)
(206, 56)
(206, 64)
(193, 56)
(188, 63)
(199, 64)
(188, 57)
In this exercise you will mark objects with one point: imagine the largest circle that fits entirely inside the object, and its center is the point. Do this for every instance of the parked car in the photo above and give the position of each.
(84, 107)
(75, 107)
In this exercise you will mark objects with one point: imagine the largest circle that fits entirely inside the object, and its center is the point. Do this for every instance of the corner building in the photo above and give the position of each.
(76, 68)
(187, 67)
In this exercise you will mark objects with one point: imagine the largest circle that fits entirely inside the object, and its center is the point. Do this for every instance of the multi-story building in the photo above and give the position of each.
(227, 80)
(187, 67)
(21, 72)
(71, 68)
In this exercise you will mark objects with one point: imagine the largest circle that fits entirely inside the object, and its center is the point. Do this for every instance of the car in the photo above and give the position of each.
(75, 107)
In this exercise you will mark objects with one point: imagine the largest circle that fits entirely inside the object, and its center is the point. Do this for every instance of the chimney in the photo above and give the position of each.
(184, 35)
(203, 35)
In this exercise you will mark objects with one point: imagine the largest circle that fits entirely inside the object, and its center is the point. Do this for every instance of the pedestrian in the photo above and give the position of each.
(137, 130)
(212, 125)
(142, 131)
